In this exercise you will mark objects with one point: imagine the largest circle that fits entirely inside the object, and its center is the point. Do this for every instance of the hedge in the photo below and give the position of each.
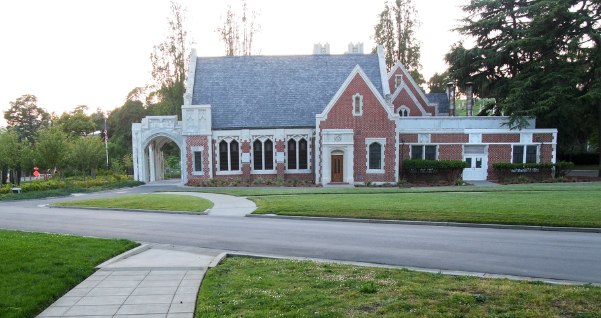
(531, 171)
(433, 171)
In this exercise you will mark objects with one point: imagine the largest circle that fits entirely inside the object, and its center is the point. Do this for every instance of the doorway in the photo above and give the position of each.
(477, 163)
(337, 167)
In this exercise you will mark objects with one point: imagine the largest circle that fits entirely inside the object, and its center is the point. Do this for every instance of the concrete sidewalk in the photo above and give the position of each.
(223, 205)
(149, 281)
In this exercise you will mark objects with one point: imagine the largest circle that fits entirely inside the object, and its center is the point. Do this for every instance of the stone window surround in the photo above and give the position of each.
(263, 139)
(228, 140)
(297, 138)
(368, 142)
(194, 150)
(360, 98)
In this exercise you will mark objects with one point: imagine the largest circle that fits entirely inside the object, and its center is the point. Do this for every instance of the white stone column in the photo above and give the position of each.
(151, 157)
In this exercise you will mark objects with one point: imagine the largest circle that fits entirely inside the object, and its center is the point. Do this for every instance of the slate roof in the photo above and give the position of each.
(441, 99)
(274, 91)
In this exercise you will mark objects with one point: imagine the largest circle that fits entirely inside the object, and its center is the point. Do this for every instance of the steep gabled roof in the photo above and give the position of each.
(441, 99)
(274, 91)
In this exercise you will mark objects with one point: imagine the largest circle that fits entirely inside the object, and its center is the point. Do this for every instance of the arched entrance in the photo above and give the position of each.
(337, 162)
(162, 159)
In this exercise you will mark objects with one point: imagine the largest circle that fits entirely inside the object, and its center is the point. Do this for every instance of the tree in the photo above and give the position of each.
(119, 127)
(86, 154)
(238, 33)
(438, 82)
(51, 150)
(77, 122)
(536, 58)
(169, 65)
(396, 32)
(16, 154)
(26, 117)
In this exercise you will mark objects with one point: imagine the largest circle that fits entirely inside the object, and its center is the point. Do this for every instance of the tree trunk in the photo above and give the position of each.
(599, 138)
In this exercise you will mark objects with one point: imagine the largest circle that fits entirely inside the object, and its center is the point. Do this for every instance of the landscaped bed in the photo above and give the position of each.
(159, 202)
(36, 269)
(575, 205)
(247, 287)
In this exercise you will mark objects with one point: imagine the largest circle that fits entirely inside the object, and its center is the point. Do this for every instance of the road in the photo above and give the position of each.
(540, 254)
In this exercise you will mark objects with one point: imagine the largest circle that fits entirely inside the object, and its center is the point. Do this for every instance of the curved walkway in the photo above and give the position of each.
(223, 205)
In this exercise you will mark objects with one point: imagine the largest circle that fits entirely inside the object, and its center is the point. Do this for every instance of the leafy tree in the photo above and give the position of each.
(396, 32)
(169, 60)
(77, 122)
(238, 32)
(52, 146)
(119, 127)
(16, 154)
(536, 58)
(438, 82)
(26, 117)
(86, 154)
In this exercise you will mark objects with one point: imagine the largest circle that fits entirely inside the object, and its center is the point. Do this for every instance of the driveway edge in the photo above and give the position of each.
(205, 212)
(455, 224)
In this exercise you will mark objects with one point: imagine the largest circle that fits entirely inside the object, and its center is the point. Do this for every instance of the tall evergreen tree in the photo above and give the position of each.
(238, 31)
(536, 58)
(385, 35)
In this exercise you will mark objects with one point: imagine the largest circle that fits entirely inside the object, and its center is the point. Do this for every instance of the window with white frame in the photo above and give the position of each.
(263, 154)
(229, 156)
(375, 154)
(404, 111)
(197, 161)
(525, 154)
(298, 157)
(398, 80)
(357, 105)
(424, 152)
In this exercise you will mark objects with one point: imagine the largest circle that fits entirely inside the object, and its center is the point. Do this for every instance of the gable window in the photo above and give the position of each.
(263, 155)
(525, 154)
(357, 105)
(404, 111)
(423, 152)
(375, 156)
(398, 79)
(229, 156)
(298, 154)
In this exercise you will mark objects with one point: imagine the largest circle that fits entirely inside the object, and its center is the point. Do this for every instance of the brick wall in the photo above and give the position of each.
(449, 138)
(197, 141)
(542, 137)
(374, 123)
(404, 99)
(497, 153)
(409, 138)
(492, 138)
(450, 152)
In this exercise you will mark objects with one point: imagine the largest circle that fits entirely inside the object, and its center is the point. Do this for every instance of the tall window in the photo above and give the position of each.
(197, 161)
(527, 156)
(263, 155)
(423, 152)
(398, 79)
(297, 154)
(357, 105)
(404, 111)
(229, 156)
(375, 156)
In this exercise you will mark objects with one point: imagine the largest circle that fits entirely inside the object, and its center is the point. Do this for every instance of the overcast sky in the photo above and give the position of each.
(69, 52)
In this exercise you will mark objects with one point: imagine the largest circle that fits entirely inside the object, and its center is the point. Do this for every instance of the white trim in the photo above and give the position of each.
(383, 73)
(297, 139)
(404, 70)
(382, 143)
(357, 70)
(262, 140)
(188, 95)
(360, 112)
(423, 150)
(405, 108)
(184, 162)
(200, 149)
(398, 91)
(228, 140)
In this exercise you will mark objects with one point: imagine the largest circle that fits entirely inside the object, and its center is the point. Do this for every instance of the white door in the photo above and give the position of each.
(477, 162)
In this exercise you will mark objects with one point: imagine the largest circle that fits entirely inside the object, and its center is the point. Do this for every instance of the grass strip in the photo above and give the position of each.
(36, 269)
(66, 191)
(159, 202)
(548, 208)
(246, 287)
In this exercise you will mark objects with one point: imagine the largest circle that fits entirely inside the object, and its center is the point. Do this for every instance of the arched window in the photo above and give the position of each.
(375, 156)
(298, 154)
(263, 155)
(229, 156)
(357, 105)
(292, 154)
(404, 111)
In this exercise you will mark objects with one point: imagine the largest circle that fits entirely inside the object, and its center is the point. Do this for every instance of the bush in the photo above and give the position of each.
(526, 172)
(433, 171)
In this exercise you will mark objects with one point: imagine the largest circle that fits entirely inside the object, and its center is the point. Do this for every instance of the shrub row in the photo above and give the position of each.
(108, 182)
(433, 171)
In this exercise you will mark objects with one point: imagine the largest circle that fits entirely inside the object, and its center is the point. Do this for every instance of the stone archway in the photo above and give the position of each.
(148, 141)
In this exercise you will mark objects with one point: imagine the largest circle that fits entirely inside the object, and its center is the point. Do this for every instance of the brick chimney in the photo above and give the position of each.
(451, 96)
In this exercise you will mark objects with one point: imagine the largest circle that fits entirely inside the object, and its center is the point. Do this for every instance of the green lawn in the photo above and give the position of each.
(162, 202)
(36, 269)
(577, 205)
(246, 287)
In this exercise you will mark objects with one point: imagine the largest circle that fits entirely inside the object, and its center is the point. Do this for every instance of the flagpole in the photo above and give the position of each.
(106, 143)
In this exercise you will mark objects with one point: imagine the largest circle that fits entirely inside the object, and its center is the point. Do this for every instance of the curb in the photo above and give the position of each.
(428, 223)
(417, 269)
(205, 212)
(132, 252)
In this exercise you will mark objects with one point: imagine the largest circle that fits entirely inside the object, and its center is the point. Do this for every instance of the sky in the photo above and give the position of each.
(70, 52)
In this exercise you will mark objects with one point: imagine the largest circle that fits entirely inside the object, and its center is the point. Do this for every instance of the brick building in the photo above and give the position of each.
(323, 118)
